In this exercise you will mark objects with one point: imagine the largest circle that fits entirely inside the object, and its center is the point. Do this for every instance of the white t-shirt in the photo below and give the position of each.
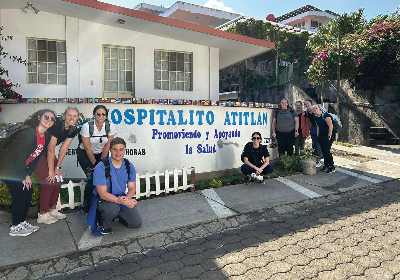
(97, 143)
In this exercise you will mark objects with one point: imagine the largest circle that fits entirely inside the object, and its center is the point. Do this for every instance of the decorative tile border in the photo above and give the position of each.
(149, 101)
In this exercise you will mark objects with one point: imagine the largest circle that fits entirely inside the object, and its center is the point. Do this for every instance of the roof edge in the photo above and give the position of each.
(171, 22)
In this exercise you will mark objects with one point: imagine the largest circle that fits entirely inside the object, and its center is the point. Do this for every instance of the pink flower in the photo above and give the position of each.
(320, 72)
(1, 110)
(324, 57)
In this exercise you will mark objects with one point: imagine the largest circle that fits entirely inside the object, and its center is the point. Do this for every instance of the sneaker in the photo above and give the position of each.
(318, 164)
(28, 225)
(20, 230)
(106, 231)
(324, 168)
(58, 215)
(261, 182)
(46, 218)
(331, 169)
(247, 180)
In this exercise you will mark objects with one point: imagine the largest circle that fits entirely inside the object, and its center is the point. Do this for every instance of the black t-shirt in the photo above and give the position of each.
(256, 157)
(311, 117)
(299, 130)
(57, 130)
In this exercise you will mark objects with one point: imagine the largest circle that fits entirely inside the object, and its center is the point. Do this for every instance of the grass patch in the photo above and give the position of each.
(345, 144)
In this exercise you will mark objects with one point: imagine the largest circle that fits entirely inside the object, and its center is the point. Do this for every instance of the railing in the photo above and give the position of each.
(286, 75)
(159, 189)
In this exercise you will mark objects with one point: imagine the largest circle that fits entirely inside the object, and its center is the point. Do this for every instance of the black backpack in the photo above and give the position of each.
(91, 129)
(106, 163)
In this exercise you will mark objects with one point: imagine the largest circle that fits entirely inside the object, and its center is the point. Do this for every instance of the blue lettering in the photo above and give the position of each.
(142, 114)
(181, 122)
(129, 116)
(152, 117)
(227, 120)
(234, 115)
(171, 118)
(259, 122)
(253, 122)
(116, 116)
(155, 132)
(246, 115)
(210, 117)
(265, 118)
(200, 114)
(191, 122)
(240, 118)
(162, 113)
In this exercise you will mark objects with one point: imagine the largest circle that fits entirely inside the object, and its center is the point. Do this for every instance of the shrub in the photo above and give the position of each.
(215, 183)
(5, 196)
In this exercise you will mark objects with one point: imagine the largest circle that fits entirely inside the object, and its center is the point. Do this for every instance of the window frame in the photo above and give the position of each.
(57, 63)
(118, 93)
(176, 61)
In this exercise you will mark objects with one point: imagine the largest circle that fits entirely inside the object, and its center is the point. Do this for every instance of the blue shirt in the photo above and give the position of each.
(119, 177)
(323, 126)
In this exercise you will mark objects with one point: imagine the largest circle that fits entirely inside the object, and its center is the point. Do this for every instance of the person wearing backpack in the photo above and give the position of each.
(111, 177)
(21, 152)
(285, 128)
(326, 136)
(304, 129)
(255, 157)
(95, 136)
(313, 131)
(48, 169)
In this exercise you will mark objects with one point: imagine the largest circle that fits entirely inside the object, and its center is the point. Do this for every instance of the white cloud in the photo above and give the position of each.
(218, 5)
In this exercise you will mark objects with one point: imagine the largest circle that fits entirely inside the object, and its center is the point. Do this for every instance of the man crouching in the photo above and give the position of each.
(111, 176)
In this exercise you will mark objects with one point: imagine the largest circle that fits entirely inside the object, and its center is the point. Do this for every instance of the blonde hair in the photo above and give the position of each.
(70, 108)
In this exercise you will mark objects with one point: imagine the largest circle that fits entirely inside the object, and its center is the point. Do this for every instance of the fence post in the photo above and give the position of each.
(71, 196)
(176, 180)
(184, 178)
(137, 186)
(166, 180)
(147, 178)
(157, 179)
(192, 180)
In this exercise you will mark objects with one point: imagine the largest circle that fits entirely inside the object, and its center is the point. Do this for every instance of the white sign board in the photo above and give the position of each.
(159, 137)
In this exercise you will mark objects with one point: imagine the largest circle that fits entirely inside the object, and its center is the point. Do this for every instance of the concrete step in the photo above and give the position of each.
(378, 129)
(380, 135)
(386, 141)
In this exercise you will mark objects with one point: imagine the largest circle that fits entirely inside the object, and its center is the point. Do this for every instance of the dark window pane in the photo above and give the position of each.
(128, 75)
(165, 85)
(62, 69)
(180, 57)
(32, 56)
(32, 44)
(180, 66)
(129, 87)
(42, 78)
(32, 78)
(172, 56)
(61, 47)
(52, 68)
(62, 79)
(157, 85)
(52, 46)
(42, 56)
(53, 79)
(41, 45)
(32, 67)
(157, 75)
(173, 85)
(52, 56)
(172, 66)
(42, 68)
(157, 55)
(62, 58)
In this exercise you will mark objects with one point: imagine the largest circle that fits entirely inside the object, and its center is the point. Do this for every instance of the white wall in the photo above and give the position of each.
(161, 154)
(84, 56)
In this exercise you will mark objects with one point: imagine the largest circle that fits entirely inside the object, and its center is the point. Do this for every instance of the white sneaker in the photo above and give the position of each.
(58, 215)
(46, 218)
(20, 230)
(319, 164)
(28, 225)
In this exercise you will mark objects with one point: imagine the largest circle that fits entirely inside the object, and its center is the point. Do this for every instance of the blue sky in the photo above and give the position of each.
(261, 8)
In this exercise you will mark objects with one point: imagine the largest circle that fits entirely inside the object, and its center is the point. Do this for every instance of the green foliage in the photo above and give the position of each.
(307, 153)
(5, 196)
(290, 163)
(254, 80)
(345, 144)
(215, 183)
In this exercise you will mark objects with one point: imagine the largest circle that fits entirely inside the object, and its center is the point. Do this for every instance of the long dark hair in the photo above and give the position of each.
(34, 119)
(100, 107)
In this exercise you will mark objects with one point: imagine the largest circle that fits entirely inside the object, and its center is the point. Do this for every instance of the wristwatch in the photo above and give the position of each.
(58, 167)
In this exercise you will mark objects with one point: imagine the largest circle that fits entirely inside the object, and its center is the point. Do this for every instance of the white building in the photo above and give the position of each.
(86, 48)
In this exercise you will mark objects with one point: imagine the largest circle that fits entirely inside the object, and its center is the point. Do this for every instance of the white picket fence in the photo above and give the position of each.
(177, 174)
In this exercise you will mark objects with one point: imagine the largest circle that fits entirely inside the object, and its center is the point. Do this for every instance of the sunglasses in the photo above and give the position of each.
(101, 114)
(46, 117)
(256, 138)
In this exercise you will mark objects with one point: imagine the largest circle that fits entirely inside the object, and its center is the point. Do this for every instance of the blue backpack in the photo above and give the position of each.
(337, 124)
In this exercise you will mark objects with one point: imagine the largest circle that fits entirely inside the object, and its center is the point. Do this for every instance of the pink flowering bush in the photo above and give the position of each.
(372, 53)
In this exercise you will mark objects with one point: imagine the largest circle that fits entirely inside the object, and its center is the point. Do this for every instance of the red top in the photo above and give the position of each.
(40, 144)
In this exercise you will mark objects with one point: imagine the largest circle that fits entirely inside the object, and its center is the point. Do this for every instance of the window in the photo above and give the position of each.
(47, 62)
(118, 71)
(315, 24)
(173, 70)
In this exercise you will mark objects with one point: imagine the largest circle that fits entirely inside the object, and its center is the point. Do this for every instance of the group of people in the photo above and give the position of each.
(32, 149)
(291, 127)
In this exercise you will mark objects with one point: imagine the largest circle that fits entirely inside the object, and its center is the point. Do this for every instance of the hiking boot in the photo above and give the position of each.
(247, 180)
(318, 164)
(331, 169)
(106, 230)
(46, 218)
(29, 226)
(20, 230)
(58, 215)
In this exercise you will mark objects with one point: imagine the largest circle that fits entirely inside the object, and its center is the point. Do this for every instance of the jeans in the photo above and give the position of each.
(299, 144)
(21, 201)
(285, 142)
(247, 170)
(109, 210)
(315, 144)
